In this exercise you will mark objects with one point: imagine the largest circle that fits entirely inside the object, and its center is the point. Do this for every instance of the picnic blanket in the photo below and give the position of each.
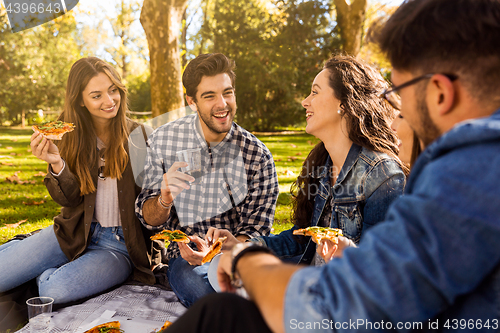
(139, 308)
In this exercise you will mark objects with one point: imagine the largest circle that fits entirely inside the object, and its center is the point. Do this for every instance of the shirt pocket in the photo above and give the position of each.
(350, 220)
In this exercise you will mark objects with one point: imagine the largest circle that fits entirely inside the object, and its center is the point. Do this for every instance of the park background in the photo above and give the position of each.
(278, 45)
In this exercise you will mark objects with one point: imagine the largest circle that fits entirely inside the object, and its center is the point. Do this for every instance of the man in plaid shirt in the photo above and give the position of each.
(238, 188)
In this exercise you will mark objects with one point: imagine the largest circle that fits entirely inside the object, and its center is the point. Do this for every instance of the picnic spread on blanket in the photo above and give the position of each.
(138, 308)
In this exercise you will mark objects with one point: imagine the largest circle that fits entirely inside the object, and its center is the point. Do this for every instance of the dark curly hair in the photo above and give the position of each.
(357, 86)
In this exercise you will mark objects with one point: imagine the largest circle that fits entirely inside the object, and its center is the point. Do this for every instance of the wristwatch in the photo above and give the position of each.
(238, 251)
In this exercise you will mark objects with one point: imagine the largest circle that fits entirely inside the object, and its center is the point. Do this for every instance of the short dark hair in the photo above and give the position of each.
(209, 64)
(458, 37)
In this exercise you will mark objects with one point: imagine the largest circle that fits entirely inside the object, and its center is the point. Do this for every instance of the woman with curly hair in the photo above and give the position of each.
(352, 176)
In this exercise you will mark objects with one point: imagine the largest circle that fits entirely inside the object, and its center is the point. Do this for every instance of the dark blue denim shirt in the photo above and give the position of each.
(436, 258)
(366, 185)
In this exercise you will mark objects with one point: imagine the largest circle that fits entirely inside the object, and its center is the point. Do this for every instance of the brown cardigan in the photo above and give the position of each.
(72, 226)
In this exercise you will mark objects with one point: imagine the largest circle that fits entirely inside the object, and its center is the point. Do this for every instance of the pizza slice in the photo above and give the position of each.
(172, 236)
(214, 250)
(319, 233)
(111, 327)
(165, 326)
(53, 130)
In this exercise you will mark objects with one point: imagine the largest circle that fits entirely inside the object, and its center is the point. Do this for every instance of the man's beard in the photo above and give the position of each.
(427, 131)
(210, 123)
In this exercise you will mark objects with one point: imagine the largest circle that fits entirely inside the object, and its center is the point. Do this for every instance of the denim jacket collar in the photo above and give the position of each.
(469, 132)
(351, 158)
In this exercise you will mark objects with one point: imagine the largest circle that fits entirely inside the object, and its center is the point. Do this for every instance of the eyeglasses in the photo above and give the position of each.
(391, 95)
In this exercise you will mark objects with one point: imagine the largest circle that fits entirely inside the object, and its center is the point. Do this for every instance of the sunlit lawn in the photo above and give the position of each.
(31, 201)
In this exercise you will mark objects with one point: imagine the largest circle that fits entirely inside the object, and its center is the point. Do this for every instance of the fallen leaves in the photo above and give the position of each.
(6, 163)
(13, 225)
(33, 203)
(16, 180)
(293, 145)
(39, 174)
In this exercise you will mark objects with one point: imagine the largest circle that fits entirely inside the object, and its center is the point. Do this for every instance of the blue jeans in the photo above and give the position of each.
(104, 264)
(188, 282)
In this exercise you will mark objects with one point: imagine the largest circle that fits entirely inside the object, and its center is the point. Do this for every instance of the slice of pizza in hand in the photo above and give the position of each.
(111, 327)
(214, 250)
(53, 130)
(319, 233)
(172, 236)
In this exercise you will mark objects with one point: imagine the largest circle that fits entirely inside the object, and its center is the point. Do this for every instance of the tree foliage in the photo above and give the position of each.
(34, 65)
(278, 47)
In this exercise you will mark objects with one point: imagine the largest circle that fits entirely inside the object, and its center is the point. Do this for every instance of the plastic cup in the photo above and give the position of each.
(39, 313)
(193, 158)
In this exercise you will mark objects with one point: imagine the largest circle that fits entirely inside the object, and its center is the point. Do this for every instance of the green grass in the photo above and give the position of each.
(15, 199)
(289, 152)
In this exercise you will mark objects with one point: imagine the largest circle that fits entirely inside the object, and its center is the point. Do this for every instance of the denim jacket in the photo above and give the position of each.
(366, 185)
(434, 262)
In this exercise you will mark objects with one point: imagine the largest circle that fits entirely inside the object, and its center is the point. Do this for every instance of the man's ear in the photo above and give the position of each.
(441, 94)
(191, 102)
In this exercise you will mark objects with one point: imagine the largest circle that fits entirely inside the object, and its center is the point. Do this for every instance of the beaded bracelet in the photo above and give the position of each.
(163, 203)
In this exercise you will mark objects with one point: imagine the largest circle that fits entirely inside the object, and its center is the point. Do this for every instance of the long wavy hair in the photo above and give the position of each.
(79, 149)
(368, 117)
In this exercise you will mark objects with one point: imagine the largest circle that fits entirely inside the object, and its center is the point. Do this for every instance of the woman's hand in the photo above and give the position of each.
(47, 151)
(328, 250)
(213, 234)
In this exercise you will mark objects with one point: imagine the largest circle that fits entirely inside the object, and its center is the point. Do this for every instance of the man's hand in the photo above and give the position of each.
(191, 256)
(174, 182)
(214, 234)
(224, 273)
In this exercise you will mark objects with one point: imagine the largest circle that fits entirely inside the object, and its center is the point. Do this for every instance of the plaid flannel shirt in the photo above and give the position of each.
(238, 190)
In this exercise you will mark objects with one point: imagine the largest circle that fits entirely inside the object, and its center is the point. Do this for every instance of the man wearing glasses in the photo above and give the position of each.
(434, 264)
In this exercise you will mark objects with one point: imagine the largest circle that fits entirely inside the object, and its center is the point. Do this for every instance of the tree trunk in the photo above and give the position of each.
(350, 19)
(184, 39)
(161, 20)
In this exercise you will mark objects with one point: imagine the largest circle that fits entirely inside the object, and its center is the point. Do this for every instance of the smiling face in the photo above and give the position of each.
(405, 135)
(321, 107)
(216, 105)
(101, 98)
